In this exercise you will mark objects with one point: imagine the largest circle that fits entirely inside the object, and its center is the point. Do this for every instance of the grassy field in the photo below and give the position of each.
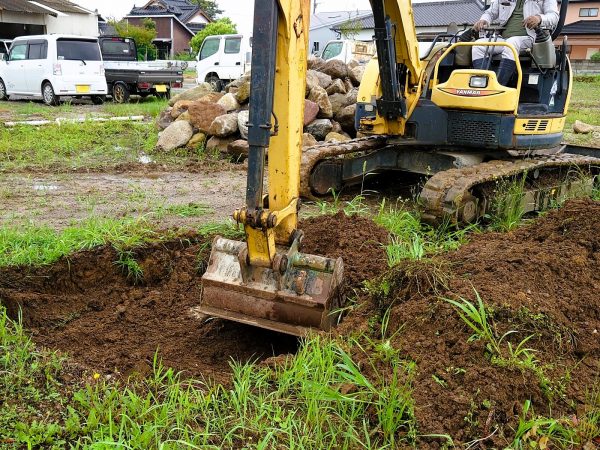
(302, 403)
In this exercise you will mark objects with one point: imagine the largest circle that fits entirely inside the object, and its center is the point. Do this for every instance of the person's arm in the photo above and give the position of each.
(492, 13)
(550, 14)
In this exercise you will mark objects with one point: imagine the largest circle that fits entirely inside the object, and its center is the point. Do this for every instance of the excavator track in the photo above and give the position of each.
(313, 155)
(465, 195)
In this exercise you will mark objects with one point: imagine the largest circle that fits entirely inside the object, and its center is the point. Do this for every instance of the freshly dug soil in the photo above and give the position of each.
(542, 280)
(358, 240)
(86, 306)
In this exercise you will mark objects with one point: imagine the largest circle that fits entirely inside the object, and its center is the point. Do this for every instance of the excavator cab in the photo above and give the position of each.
(266, 281)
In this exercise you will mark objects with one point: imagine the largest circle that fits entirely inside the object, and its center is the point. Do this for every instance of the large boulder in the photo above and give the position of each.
(338, 102)
(308, 140)
(336, 137)
(219, 144)
(212, 97)
(243, 93)
(224, 125)
(184, 116)
(315, 63)
(320, 97)
(180, 107)
(352, 97)
(164, 119)
(197, 141)
(335, 68)
(202, 114)
(356, 75)
(193, 94)
(324, 80)
(346, 119)
(337, 87)
(312, 80)
(238, 148)
(580, 127)
(243, 117)
(311, 110)
(320, 128)
(229, 102)
(175, 135)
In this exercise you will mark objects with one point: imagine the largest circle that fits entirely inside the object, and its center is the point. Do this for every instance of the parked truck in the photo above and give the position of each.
(223, 58)
(126, 76)
(346, 50)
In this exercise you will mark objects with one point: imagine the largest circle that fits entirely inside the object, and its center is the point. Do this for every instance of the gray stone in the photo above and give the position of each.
(346, 119)
(243, 117)
(356, 75)
(164, 119)
(224, 125)
(238, 148)
(175, 135)
(336, 87)
(319, 96)
(192, 94)
(315, 63)
(580, 127)
(320, 128)
(219, 144)
(324, 80)
(338, 102)
(335, 68)
(229, 102)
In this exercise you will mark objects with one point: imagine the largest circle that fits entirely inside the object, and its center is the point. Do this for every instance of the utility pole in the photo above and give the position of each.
(315, 4)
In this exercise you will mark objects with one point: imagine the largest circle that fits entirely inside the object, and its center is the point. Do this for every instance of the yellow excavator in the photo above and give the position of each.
(436, 116)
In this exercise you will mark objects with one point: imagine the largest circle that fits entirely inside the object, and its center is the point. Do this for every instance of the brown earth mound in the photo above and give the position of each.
(86, 306)
(542, 280)
(356, 239)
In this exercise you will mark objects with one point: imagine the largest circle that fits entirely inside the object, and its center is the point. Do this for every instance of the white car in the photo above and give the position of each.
(52, 66)
(5, 45)
(223, 58)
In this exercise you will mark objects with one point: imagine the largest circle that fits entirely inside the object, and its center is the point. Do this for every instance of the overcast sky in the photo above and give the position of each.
(240, 11)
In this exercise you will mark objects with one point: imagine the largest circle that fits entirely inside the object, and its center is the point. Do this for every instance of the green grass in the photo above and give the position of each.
(318, 399)
(508, 207)
(186, 210)
(32, 245)
(86, 145)
(149, 107)
(584, 106)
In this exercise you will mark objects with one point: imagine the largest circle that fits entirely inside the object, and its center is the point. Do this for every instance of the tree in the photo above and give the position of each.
(209, 7)
(143, 37)
(221, 26)
(596, 57)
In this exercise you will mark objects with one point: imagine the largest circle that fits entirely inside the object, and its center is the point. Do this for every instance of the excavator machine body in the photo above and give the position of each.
(266, 281)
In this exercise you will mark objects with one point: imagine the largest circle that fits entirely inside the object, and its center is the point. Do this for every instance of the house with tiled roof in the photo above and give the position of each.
(582, 28)
(431, 18)
(24, 18)
(177, 21)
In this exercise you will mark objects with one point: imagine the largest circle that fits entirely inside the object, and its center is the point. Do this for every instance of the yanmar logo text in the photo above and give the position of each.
(470, 92)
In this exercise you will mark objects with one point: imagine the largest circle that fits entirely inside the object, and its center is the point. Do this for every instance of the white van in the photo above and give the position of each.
(5, 45)
(223, 58)
(347, 50)
(51, 66)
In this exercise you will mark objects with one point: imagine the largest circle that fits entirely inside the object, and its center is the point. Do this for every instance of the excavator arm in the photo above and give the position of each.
(266, 281)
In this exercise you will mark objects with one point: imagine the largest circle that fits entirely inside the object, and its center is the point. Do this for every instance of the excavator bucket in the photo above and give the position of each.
(303, 293)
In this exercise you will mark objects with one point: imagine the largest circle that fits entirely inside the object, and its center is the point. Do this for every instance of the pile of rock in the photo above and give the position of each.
(217, 120)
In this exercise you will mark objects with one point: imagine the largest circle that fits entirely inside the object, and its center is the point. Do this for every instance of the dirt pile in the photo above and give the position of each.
(86, 305)
(542, 280)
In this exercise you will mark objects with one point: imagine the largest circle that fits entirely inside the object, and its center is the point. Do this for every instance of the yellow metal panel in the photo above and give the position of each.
(261, 246)
(457, 94)
(539, 125)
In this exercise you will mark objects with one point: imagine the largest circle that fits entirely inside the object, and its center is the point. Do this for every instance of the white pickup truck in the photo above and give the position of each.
(223, 58)
(347, 50)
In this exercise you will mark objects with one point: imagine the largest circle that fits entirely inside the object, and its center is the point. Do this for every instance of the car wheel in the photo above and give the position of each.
(120, 93)
(215, 82)
(48, 95)
(3, 95)
(97, 99)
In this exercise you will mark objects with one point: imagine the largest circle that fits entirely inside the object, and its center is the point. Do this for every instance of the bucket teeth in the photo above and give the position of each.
(305, 293)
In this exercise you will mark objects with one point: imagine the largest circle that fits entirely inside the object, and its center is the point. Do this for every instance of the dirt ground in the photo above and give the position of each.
(542, 280)
(85, 306)
(58, 200)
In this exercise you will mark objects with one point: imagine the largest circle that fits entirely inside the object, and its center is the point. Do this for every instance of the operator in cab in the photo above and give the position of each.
(519, 18)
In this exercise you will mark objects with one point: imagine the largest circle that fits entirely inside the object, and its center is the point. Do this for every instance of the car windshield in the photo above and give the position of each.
(78, 50)
(209, 48)
(332, 50)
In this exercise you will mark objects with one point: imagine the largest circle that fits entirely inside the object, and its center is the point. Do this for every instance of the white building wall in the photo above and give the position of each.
(16, 17)
(73, 23)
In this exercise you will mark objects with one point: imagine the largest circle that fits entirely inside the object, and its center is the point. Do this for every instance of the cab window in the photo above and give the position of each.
(233, 45)
(209, 48)
(18, 52)
(38, 50)
(332, 50)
